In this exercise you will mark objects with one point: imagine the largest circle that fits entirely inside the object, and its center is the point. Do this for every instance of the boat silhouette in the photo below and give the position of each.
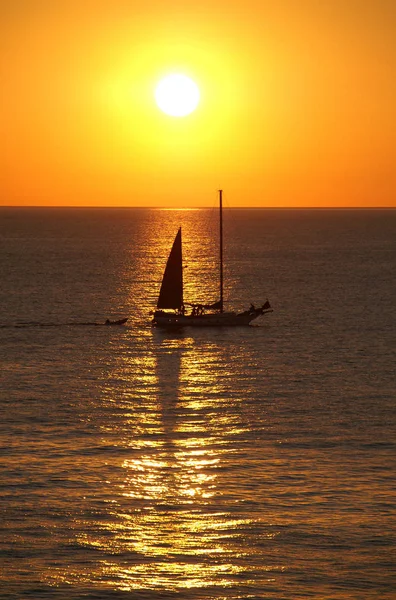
(172, 311)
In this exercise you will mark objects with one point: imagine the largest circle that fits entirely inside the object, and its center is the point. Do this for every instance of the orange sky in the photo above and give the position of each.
(297, 104)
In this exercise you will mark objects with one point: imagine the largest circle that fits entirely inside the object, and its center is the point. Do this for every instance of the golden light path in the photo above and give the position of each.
(166, 518)
(166, 524)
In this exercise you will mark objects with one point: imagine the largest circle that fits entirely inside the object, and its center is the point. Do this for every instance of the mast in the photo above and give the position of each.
(221, 248)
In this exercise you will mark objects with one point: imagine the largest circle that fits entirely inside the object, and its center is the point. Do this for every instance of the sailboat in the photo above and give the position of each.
(173, 312)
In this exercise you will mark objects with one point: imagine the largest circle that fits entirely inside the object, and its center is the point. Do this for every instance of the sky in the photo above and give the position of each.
(297, 103)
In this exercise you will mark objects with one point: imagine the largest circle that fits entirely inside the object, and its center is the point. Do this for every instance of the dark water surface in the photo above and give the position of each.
(254, 462)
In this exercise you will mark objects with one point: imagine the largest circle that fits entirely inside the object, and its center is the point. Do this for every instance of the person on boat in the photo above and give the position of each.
(252, 308)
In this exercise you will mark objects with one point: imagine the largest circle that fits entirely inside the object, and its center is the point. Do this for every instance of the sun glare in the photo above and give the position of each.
(177, 95)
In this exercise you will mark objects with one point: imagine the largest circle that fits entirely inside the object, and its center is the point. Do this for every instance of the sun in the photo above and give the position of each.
(177, 95)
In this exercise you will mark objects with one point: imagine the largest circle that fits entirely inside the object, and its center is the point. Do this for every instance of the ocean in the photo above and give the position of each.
(242, 463)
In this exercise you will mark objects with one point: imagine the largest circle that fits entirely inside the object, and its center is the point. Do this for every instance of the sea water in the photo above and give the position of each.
(252, 462)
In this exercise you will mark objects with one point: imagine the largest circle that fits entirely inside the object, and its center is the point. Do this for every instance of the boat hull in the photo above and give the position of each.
(225, 319)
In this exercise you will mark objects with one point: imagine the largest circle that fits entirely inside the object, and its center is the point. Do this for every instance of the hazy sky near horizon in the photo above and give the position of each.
(297, 102)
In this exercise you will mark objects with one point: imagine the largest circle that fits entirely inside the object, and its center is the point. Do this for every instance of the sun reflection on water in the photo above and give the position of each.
(164, 524)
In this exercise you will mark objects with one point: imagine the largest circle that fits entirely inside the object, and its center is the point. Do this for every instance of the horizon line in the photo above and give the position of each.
(85, 206)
